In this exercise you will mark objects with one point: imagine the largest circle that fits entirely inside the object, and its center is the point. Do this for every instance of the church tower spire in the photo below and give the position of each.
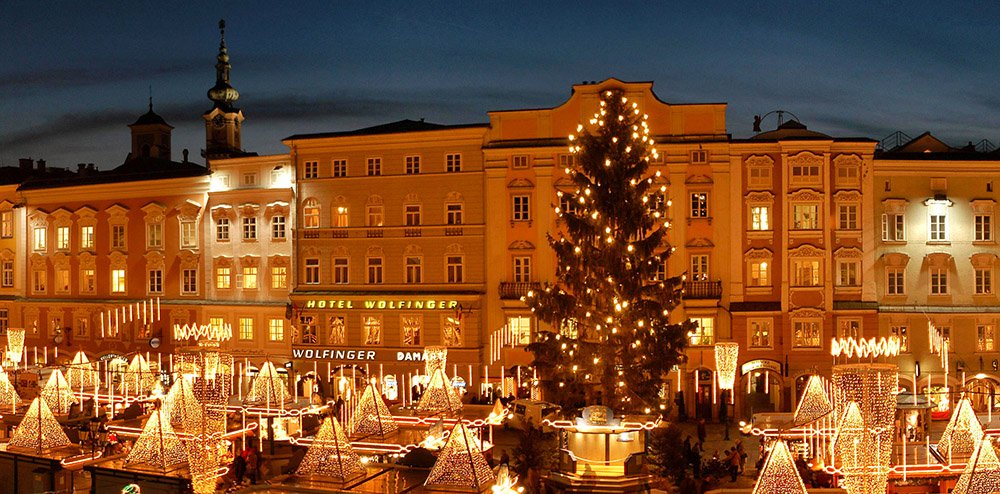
(223, 121)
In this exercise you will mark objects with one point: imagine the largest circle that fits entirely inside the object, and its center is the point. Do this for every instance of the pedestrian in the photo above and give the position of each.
(504, 458)
(701, 430)
(733, 464)
(694, 458)
(743, 454)
(253, 462)
(239, 468)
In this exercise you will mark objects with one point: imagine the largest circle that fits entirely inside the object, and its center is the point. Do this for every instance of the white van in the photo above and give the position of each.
(524, 409)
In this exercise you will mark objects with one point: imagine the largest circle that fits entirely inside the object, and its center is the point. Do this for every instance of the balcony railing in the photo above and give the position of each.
(702, 289)
(514, 291)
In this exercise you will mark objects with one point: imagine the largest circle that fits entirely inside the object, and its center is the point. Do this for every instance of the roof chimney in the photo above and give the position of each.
(26, 164)
(41, 165)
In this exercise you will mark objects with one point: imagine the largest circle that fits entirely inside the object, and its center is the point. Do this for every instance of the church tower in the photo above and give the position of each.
(150, 136)
(223, 121)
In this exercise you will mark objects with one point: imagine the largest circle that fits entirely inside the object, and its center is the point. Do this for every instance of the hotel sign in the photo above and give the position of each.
(765, 364)
(363, 355)
(392, 304)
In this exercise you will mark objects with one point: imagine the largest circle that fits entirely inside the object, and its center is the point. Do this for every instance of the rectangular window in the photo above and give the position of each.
(117, 281)
(340, 217)
(376, 216)
(847, 176)
(805, 174)
(760, 333)
(805, 217)
(520, 329)
(413, 268)
(849, 328)
(276, 329)
(154, 235)
(760, 274)
(82, 327)
(522, 269)
(660, 274)
(250, 277)
(847, 273)
(312, 169)
(807, 334)
(189, 234)
(984, 281)
(222, 229)
(340, 270)
(246, 328)
(38, 281)
(310, 214)
(189, 281)
(223, 278)
(312, 271)
(62, 238)
(6, 225)
(848, 217)
(519, 161)
(277, 176)
(38, 237)
(452, 163)
(567, 161)
(411, 330)
(894, 283)
(522, 211)
(62, 280)
(938, 224)
(699, 157)
(155, 281)
(412, 212)
(760, 218)
(453, 213)
(249, 228)
(374, 166)
(278, 227)
(372, 327)
(455, 269)
(338, 330)
(699, 267)
(7, 273)
(704, 331)
(86, 237)
(451, 332)
(939, 281)
(900, 332)
(339, 168)
(216, 322)
(985, 332)
(4, 321)
(374, 270)
(249, 179)
(307, 328)
(984, 228)
(412, 165)
(279, 277)
(699, 205)
(893, 228)
(760, 177)
(117, 236)
(806, 273)
(88, 280)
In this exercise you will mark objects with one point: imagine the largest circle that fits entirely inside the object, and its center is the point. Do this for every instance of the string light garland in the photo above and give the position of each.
(268, 388)
(371, 416)
(57, 393)
(939, 345)
(331, 454)
(982, 473)
(779, 475)
(962, 433)
(15, 344)
(435, 357)
(872, 387)
(39, 430)
(814, 404)
(158, 446)
(81, 373)
(726, 359)
(862, 348)
(439, 395)
(461, 462)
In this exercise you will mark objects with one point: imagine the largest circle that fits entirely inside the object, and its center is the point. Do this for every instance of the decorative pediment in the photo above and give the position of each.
(340, 251)
(154, 259)
(454, 249)
(454, 197)
(61, 217)
(188, 259)
(118, 260)
(894, 206)
(520, 183)
(222, 261)
(760, 161)
(374, 200)
(699, 242)
(6, 205)
(6, 254)
(276, 208)
(223, 211)
(249, 209)
(806, 313)
(374, 251)
(847, 196)
(895, 259)
(411, 198)
(938, 259)
(87, 260)
(758, 254)
(340, 200)
(805, 158)
(38, 261)
(848, 253)
(86, 216)
(116, 211)
(154, 212)
(698, 179)
(983, 205)
(759, 197)
(311, 251)
(806, 251)
(60, 260)
(38, 217)
(564, 184)
(805, 195)
(249, 261)
(188, 210)
(413, 250)
(983, 259)
(521, 245)
(847, 160)
(279, 261)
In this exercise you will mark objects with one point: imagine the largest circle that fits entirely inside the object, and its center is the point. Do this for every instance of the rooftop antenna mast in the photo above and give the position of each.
(757, 119)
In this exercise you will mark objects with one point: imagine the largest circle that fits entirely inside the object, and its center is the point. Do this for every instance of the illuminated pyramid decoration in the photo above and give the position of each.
(39, 429)
(461, 463)
(204, 459)
(331, 454)
(852, 448)
(439, 395)
(158, 446)
(497, 414)
(180, 404)
(372, 416)
(9, 400)
(962, 432)
(779, 475)
(982, 473)
(81, 373)
(138, 379)
(57, 393)
(814, 404)
(268, 388)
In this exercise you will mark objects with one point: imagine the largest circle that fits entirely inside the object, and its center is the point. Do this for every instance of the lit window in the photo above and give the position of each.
(849, 328)
(62, 238)
(412, 212)
(341, 270)
(246, 328)
(451, 332)
(847, 273)
(760, 218)
(250, 277)
(759, 274)
(6, 224)
(82, 327)
(704, 331)
(338, 330)
(894, 284)
(806, 273)
(117, 281)
(88, 280)
(984, 227)
(522, 210)
(222, 278)
(412, 165)
(893, 229)
(374, 270)
(985, 333)
(38, 280)
(660, 273)
(376, 217)
(699, 267)
(520, 161)
(216, 322)
(307, 330)
(372, 327)
(312, 271)
(7, 273)
(311, 169)
(374, 166)
(38, 236)
(699, 205)
(222, 229)
(900, 333)
(62, 280)
(520, 329)
(4, 321)
(86, 237)
(454, 214)
(455, 269)
(522, 269)
(453, 163)
(189, 281)
(279, 277)
(340, 217)
(310, 214)
(339, 168)
(939, 281)
(155, 281)
(848, 217)
(189, 234)
(276, 330)
(760, 333)
(984, 281)
(805, 217)
(807, 334)
(411, 330)
(249, 228)
(413, 266)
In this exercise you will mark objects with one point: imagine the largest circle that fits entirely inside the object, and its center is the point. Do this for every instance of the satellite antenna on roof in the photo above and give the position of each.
(757, 119)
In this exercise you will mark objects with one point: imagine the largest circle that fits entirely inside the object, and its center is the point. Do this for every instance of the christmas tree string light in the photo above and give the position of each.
(180, 404)
(814, 404)
(779, 475)
(57, 393)
(330, 454)
(268, 388)
(137, 379)
(461, 462)
(726, 359)
(39, 430)
(15, 345)
(371, 416)
(158, 446)
(81, 373)
(962, 433)
(852, 447)
(982, 473)
(439, 395)
(9, 399)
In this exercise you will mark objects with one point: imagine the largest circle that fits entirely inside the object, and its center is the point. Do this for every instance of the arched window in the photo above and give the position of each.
(310, 213)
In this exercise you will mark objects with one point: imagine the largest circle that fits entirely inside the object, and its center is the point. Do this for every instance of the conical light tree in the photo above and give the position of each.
(439, 395)
(81, 373)
(57, 393)
(610, 306)
(180, 404)
(982, 473)
(268, 388)
(39, 430)
(779, 475)
(461, 462)
(9, 399)
(372, 416)
(962, 433)
(138, 379)
(158, 446)
(330, 454)
(814, 404)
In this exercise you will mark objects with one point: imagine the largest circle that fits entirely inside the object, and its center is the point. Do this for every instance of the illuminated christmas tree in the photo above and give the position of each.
(57, 393)
(9, 399)
(181, 405)
(779, 475)
(158, 446)
(268, 388)
(204, 459)
(610, 306)
(81, 373)
(39, 430)
(461, 463)
(814, 404)
(372, 416)
(982, 473)
(137, 379)
(497, 414)
(962, 433)
(439, 395)
(330, 454)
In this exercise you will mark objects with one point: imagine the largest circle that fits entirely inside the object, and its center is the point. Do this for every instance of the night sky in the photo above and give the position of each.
(74, 75)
